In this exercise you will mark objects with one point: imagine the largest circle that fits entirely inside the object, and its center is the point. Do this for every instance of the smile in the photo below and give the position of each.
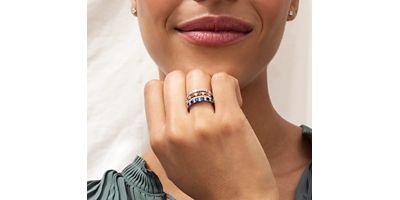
(214, 30)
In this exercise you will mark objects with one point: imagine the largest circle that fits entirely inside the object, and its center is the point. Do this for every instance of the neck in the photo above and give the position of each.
(276, 135)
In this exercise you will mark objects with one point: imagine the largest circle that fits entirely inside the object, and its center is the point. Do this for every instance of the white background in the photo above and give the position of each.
(43, 68)
(119, 66)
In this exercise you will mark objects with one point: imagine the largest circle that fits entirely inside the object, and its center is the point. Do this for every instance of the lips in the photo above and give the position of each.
(214, 30)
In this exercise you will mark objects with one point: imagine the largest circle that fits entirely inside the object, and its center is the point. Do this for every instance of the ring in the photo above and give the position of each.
(201, 92)
(197, 96)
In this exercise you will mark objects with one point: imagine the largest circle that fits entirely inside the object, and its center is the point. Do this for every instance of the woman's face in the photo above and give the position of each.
(160, 24)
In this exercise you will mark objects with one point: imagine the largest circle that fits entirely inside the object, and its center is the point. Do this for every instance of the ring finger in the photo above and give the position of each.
(199, 80)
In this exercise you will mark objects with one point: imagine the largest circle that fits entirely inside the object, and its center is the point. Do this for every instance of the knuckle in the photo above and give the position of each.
(230, 124)
(176, 139)
(227, 126)
(201, 128)
(152, 84)
(157, 141)
(173, 75)
(152, 87)
(173, 135)
(170, 130)
(195, 72)
(220, 76)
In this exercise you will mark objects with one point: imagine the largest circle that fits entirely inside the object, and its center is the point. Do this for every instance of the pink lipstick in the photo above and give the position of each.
(214, 30)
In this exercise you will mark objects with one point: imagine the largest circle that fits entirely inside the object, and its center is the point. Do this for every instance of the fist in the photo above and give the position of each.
(209, 151)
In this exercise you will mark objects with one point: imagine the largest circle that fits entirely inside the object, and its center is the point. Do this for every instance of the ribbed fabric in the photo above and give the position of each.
(303, 191)
(136, 182)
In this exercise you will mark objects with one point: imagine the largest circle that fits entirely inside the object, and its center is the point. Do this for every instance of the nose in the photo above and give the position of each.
(216, 4)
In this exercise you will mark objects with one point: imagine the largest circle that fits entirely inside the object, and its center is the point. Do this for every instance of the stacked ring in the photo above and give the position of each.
(201, 92)
(198, 96)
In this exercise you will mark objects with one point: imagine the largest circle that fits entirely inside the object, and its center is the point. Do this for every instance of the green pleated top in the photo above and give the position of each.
(136, 182)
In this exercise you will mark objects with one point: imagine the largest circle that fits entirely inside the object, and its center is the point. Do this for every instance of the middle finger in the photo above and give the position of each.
(197, 80)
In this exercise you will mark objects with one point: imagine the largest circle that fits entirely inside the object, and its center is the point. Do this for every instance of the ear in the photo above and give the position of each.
(293, 9)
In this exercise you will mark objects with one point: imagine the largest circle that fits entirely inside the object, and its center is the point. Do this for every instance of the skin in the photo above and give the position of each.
(240, 148)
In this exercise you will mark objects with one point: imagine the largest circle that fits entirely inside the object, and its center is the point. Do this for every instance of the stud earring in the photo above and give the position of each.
(133, 11)
(291, 13)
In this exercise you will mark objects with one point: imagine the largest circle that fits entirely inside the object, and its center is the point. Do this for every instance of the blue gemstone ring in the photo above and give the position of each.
(198, 99)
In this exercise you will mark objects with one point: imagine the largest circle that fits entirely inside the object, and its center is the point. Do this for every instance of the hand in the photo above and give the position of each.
(210, 152)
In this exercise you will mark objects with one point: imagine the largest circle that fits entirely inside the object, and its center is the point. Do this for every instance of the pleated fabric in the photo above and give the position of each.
(303, 191)
(135, 182)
